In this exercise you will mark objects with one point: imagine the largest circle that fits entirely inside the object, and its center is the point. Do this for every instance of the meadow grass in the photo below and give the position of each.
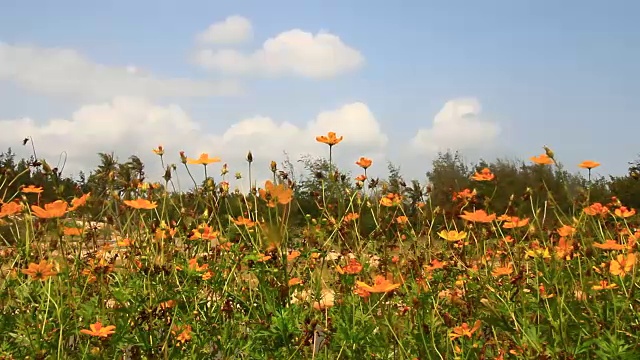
(170, 276)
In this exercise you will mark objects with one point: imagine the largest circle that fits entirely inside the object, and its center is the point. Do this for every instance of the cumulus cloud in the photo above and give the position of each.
(293, 52)
(129, 126)
(233, 30)
(458, 126)
(269, 138)
(58, 71)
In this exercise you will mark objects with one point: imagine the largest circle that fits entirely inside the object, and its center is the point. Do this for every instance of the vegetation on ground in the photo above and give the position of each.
(502, 260)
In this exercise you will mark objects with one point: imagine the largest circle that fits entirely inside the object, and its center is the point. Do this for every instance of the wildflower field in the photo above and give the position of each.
(352, 267)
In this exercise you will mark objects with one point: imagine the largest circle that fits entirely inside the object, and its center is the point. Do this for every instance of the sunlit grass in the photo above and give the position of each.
(223, 274)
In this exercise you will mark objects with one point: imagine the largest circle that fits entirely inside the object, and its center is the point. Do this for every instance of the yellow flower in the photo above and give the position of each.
(539, 252)
(452, 235)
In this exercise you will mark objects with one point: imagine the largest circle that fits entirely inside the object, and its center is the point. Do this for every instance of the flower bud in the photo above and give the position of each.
(183, 157)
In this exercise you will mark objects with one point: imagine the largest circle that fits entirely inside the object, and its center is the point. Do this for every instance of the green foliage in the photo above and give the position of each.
(343, 270)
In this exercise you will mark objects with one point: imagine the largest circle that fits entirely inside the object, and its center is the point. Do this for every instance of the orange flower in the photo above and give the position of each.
(632, 240)
(331, 139)
(193, 265)
(588, 164)
(41, 271)
(543, 292)
(402, 219)
(159, 150)
(124, 242)
(543, 159)
(624, 212)
(263, 258)
(500, 271)
(515, 222)
(78, 202)
(10, 208)
(361, 177)
(464, 330)
(381, 285)
(609, 245)
(361, 292)
(55, 209)
(204, 231)
(508, 239)
(276, 194)
(31, 189)
(141, 204)
(244, 221)
(484, 175)
(72, 231)
(391, 199)
(167, 304)
(478, 216)
(465, 194)
(604, 285)
(293, 255)
(294, 281)
(564, 249)
(621, 265)
(452, 235)
(99, 331)
(351, 216)
(204, 159)
(596, 209)
(352, 268)
(435, 265)
(566, 231)
(184, 336)
(164, 233)
(364, 162)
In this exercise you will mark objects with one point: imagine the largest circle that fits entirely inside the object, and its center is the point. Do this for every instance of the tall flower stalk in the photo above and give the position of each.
(331, 139)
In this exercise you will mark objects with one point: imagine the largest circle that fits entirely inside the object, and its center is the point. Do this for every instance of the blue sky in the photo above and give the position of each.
(561, 73)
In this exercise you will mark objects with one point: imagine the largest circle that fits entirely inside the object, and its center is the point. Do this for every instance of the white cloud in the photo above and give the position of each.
(233, 30)
(57, 71)
(294, 52)
(129, 126)
(458, 126)
(267, 138)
